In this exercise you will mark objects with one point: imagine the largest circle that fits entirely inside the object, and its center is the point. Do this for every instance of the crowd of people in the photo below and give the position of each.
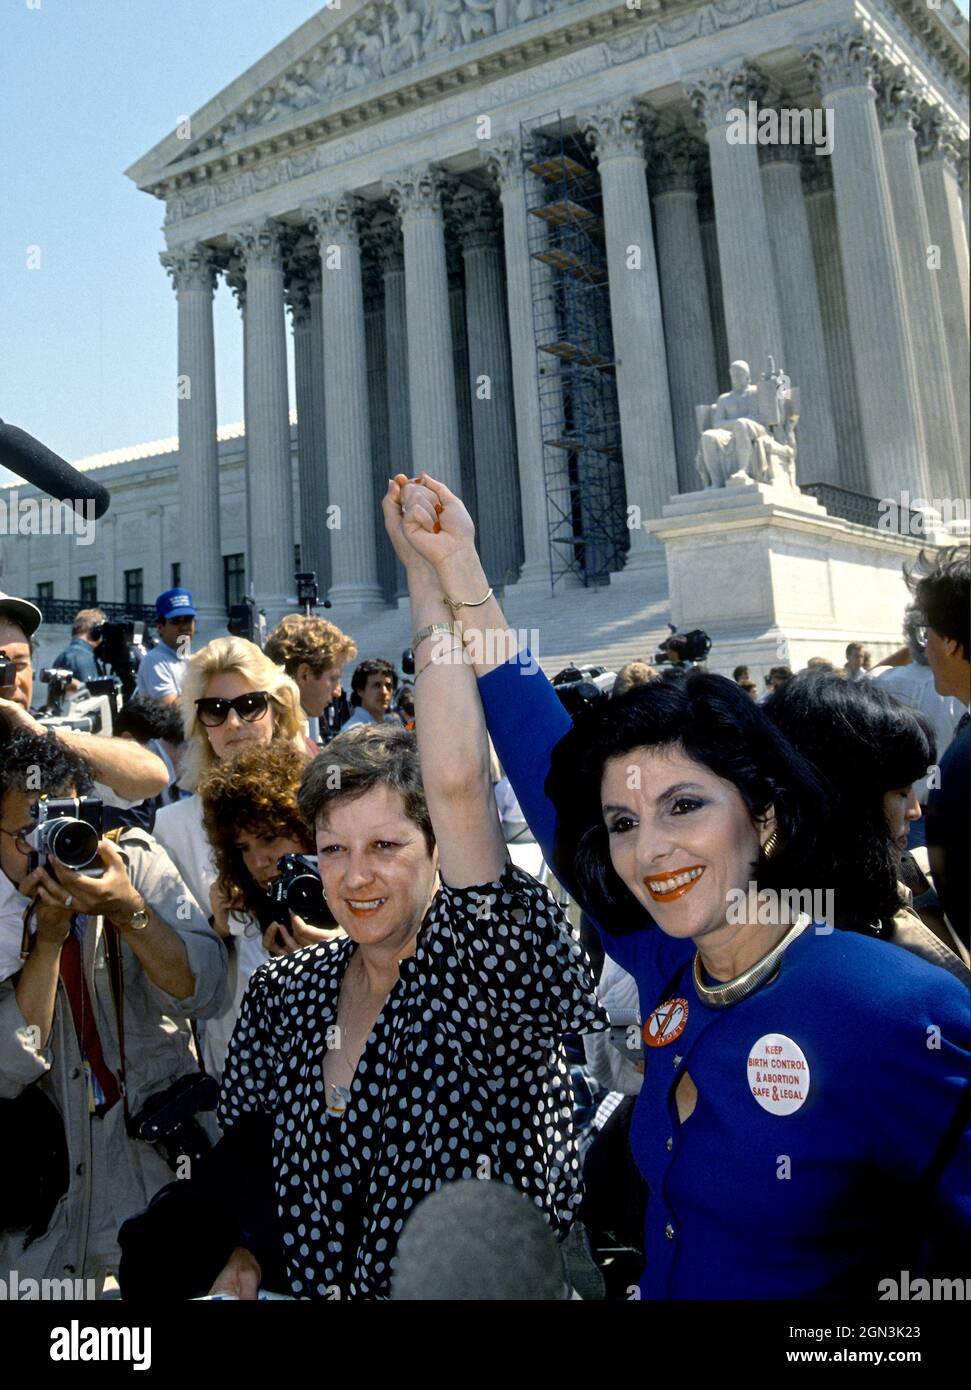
(277, 967)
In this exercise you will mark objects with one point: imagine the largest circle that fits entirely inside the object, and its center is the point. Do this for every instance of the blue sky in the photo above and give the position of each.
(88, 339)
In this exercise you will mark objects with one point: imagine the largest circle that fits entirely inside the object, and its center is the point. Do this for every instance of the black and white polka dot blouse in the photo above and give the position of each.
(464, 1075)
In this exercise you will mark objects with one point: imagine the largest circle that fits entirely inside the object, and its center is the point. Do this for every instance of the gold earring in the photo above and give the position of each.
(771, 845)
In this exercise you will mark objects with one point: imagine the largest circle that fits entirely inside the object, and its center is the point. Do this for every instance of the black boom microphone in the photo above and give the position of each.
(35, 463)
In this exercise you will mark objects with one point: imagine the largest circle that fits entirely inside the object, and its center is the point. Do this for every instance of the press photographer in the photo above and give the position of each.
(125, 772)
(101, 967)
(267, 899)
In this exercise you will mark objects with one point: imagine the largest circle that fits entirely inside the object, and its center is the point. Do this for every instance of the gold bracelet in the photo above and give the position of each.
(427, 631)
(432, 662)
(465, 603)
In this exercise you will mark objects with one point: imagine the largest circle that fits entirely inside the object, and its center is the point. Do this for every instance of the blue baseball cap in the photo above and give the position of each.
(174, 603)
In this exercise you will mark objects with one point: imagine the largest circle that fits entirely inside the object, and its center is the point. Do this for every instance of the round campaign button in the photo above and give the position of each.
(666, 1023)
(778, 1074)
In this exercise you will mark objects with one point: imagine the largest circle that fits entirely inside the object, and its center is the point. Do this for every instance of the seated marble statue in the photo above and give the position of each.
(749, 434)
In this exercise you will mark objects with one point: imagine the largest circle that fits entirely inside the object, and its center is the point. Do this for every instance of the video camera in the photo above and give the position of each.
(583, 687)
(299, 890)
(307, 591)
(91, 710)
(68, 827)
(121, 648)
(694, 648)
(248, 621)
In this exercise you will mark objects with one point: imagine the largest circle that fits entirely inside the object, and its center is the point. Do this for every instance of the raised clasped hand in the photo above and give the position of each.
(424, 518)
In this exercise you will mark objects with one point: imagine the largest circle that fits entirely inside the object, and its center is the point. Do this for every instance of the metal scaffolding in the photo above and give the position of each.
(582, 464)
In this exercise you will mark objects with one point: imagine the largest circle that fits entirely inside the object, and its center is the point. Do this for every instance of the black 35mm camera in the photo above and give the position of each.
(70, 828)
(299, 890)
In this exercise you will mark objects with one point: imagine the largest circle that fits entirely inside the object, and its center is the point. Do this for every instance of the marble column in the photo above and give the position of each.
(269, 473)
(716, 302)
(802, 327)
(824, 240)
(416, 195)
(843, 62)
(940, 150)
(311, 448)
(375, 348)
(335, 223)
(392, 259)
(616, 132)
(753, 320)
(688, 334)
(899, 109)
(460, 378)
(518, 189)
(108, 587)
(490, 386)
(193, 273)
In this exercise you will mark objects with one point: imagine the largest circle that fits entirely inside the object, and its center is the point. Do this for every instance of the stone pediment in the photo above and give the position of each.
(353, 45)
(360, 61)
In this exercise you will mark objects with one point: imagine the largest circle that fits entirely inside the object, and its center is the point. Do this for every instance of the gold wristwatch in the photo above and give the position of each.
(137, 922)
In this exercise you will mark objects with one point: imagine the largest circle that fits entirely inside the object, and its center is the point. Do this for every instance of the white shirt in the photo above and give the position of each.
(179, 827)
(361, 716)
(12, 908)
(161, 673)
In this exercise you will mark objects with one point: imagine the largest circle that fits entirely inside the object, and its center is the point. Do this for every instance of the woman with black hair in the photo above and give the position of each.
(871, 749)
(804, 1089)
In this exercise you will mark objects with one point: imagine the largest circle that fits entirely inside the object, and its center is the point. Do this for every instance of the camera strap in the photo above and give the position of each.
(116, 976)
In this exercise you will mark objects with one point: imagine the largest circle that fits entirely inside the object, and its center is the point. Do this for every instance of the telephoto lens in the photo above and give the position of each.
(73, 842)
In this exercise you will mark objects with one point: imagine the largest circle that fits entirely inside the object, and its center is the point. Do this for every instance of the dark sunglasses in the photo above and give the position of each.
(214, 711)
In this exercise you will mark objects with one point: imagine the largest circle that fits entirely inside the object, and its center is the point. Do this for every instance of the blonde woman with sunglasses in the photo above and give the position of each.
(233, 697)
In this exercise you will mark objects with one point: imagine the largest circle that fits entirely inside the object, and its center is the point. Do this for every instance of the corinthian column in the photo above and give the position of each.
(193, 273)
(490, 387)
(417, 196)
(824, 239)
(900, 112)
(752, 318)
(302, 282)
(843, 62)
(805, 359)
(940, 154)
(616, 133)
(692, 373)
(335, 223)
(391, 257)
(269, 481)
(519, 189)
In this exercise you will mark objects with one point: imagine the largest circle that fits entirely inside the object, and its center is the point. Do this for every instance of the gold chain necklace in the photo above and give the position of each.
(731, 991)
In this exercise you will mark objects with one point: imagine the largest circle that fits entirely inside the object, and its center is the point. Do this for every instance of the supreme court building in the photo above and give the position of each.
(518, 243)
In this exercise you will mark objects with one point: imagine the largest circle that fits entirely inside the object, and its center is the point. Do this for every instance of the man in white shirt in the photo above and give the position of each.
(373, 684)
(161, 672)
(857, 666)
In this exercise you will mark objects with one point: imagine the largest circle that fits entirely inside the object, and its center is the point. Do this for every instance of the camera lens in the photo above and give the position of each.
(74, 842)
(305, 897)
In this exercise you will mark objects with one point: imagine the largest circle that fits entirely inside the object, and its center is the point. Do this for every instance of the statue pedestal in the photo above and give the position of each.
(774, 579)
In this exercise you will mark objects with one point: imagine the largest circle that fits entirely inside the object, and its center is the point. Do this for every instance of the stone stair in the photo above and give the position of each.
(620, 622)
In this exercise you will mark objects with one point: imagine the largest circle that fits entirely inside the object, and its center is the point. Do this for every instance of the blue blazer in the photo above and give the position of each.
(829, 1146)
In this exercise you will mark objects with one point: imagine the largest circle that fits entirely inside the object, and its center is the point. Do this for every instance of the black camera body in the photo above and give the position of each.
(70, 828)
(299, 890)
(168, 1120)
(695, 646)
(121, 646)
(577, 689)
(8, 674)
